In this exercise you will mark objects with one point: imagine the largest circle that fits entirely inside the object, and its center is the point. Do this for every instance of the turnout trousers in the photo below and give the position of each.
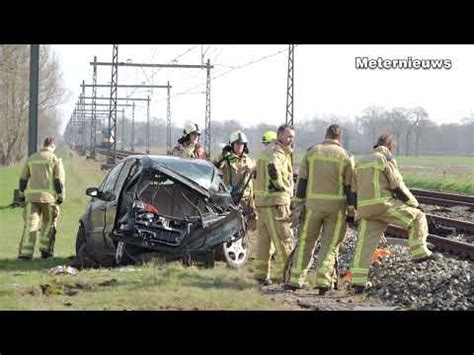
(36, 215)
(273, 228)
(372, 229)
(331, 226)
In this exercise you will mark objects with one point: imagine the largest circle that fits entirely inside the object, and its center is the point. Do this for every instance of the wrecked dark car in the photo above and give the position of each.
(161, 206)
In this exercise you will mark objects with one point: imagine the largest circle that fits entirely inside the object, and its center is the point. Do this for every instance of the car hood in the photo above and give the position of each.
(162, 168)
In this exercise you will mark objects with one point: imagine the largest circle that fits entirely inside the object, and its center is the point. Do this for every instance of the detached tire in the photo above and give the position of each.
(235, 254)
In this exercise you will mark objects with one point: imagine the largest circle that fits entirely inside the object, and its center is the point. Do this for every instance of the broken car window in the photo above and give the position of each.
(201, 173)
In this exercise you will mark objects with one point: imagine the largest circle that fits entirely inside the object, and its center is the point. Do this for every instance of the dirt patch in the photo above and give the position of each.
(61, 287)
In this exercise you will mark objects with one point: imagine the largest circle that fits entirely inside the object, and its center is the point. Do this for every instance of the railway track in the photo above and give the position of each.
(443, 198)
(439, 222)
(461, 249)
(443, 227)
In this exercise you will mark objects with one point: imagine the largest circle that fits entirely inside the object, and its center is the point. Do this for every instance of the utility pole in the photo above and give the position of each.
(290, 85)
(73, 127)
(33, 103)
(80, 108)
(94, 107)
(207, 138)
(132, 143)
(83, 121)
(168, 123)
(112, 149)
(207, 66)
(147, 139)
(123, 130)
(168, 87)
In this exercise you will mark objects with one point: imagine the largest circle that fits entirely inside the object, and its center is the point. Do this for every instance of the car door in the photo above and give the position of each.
(111, 209)
(98, 220)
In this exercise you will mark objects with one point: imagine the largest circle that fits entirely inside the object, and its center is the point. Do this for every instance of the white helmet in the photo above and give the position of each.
(238, 136)
(190, 127)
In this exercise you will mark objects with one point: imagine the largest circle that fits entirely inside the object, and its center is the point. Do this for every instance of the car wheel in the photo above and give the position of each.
(236, 253)
(126, 254)
(82, 258)
(119, 252)
(81, 243)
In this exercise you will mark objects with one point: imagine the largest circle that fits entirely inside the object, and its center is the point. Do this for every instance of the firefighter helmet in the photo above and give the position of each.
(190, 127)
(269, 136)
(238, 136)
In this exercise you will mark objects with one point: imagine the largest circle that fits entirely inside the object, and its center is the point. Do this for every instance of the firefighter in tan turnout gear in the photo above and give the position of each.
(273, 193)
(237, 169)
(42, 187)
(323, 193)
(187, 143)
(383, 199)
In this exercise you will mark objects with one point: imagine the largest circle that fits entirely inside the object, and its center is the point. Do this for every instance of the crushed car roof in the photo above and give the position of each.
(197, 171)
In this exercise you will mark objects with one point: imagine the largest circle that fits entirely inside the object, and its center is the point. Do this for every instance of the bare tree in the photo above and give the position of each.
(372, 120)
(419, 123)
(398, 122)
(14, 99)
(14, 90)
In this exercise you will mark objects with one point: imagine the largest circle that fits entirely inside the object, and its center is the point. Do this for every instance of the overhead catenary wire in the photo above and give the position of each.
(155, 70)
(233, 68)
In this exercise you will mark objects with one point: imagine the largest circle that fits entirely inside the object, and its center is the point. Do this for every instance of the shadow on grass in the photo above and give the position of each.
(35, 264)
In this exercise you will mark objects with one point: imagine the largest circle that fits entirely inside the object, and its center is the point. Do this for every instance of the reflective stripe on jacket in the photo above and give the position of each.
(234, 169)
(274, 182)
(376, 176)
(187, 151)
(40, 170)
(327, 167)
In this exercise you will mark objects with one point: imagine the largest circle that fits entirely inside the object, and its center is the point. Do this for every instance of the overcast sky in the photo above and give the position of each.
(326, 80)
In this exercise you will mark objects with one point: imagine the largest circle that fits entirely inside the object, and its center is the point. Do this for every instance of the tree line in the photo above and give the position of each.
(416, 134)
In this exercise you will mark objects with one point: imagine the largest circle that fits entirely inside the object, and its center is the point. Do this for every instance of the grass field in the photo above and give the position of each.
(28, 285)
(442, 173)
(435, 172)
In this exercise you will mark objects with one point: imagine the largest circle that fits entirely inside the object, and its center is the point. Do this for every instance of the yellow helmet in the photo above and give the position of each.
(269, 136)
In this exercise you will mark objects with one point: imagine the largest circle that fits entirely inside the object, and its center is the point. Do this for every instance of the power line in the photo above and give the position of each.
(154, 71)
(233, 68)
